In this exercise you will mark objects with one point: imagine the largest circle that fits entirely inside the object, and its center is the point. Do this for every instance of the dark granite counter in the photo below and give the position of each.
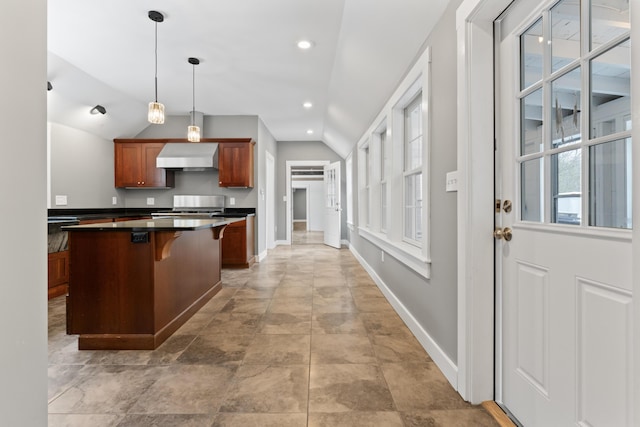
(157, 224)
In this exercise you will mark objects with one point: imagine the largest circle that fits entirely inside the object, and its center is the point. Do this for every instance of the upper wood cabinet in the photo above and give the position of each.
(235, 164)
(135, 166)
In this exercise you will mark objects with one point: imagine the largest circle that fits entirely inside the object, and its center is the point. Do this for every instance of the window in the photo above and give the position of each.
(383, 179)
(575, 117)
(349, 179)
(364, 178)
(413, 171)
(393, 190)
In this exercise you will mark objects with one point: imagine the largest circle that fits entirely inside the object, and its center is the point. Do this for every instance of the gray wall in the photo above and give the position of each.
(82, 169)
(305, 150)
(432, 302)
(23, 247)
(299, 203)
(266, 143)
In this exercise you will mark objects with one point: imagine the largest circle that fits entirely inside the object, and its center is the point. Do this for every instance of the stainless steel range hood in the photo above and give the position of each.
(189, 156)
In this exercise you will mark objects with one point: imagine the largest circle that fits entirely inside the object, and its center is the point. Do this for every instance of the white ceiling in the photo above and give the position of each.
(102, 52)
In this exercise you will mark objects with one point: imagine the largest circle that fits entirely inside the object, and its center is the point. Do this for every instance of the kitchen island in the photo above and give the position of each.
(134, 283)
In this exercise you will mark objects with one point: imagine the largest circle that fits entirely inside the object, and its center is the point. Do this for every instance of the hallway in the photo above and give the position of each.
(304, 338)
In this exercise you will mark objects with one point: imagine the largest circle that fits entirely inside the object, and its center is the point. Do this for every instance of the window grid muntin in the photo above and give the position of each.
(584, 62)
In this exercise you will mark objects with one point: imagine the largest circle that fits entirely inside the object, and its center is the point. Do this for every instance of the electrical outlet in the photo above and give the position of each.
(151, 201)
(61, 200)
(232, 201)
(114, 200)
(382, 256)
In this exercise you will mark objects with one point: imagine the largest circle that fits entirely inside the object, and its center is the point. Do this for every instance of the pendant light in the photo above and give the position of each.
(193, 131)
(156, 109)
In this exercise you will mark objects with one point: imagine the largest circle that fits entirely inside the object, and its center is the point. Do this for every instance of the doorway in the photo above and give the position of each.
(307, 175)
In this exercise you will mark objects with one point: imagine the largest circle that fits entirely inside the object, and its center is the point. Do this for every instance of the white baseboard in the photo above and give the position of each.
(444, 363)
(261, 256)
(345, 242)
(282, 242)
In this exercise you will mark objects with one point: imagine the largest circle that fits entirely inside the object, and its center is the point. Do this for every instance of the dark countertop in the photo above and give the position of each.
(159, 224)
(88, 214)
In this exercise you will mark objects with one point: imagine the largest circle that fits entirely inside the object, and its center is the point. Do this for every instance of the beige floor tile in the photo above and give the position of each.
(333, 305)
(337, 323)
(268, 389)
(290, 305)
(293, 292)
(254, 293)
(360, 419)
(260, 420)
(476, 417)
(108, 390)
(246, 305)
(420, 387)
(173, 420)
(394, 348)
(278, 350)
(186, 389)
(343, 388)
(372, 305)
(232, 323)
(384, 323)
(332, 292)
(285, 323)
(216, 350)
(366, 292)
(341, 348)
(83, 420)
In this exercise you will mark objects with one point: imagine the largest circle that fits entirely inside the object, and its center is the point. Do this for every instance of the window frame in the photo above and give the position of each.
(390, 239)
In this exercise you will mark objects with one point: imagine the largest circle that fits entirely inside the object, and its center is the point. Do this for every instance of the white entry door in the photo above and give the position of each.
(563, 212)
(332, 206)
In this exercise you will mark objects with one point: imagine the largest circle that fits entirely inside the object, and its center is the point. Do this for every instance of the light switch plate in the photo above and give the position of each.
(151, 201)
(452, 181)
(114, 200)
(61, 200)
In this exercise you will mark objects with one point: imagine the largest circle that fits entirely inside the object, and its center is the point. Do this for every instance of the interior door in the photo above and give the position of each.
(563, 213)
(332, 206)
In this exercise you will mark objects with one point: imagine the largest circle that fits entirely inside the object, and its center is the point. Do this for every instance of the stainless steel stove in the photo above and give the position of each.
(191, 206)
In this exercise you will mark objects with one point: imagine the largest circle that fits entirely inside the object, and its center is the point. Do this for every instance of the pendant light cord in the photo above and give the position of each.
(193, 108)
(156, 66)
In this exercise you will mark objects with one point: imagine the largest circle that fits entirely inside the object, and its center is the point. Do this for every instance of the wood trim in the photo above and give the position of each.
(218, 232)
(164, 240)
(497, 413)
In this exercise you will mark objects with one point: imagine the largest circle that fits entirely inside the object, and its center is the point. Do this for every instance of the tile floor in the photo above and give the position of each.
(304, 338)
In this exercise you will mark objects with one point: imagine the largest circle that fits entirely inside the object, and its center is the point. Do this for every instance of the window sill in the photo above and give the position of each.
(407, 254)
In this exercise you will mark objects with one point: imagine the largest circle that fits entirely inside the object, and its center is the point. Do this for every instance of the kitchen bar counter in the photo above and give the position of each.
(133, 283)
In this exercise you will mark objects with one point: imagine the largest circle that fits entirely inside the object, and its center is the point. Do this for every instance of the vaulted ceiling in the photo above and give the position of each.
(102, 52)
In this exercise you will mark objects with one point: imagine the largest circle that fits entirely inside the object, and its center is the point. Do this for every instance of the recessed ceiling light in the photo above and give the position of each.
(305, 44)
(310, 131)
(307, 105)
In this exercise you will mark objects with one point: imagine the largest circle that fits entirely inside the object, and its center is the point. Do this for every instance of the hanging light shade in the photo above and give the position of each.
(193, 131)
(156, 109)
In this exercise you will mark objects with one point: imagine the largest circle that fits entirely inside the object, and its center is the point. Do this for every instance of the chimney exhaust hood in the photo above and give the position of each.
(196, 156)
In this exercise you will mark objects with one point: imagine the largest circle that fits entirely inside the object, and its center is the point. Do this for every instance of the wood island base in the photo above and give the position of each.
(132, 289)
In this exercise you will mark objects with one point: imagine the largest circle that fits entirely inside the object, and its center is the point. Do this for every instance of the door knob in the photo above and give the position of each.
(505, 233)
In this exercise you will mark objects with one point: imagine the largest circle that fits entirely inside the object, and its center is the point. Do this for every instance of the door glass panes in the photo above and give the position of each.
(566, 182)
(610, 91)
(565, 117)
(531, 123)
(565, 33)
(532, 190)
(531, 49)
(413, 207)
(610, 184)
(609, 19)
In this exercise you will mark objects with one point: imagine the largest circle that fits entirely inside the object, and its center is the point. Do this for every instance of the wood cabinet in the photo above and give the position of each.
(135, 166)
(58, 273)
(238, 244)
(235, 164)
